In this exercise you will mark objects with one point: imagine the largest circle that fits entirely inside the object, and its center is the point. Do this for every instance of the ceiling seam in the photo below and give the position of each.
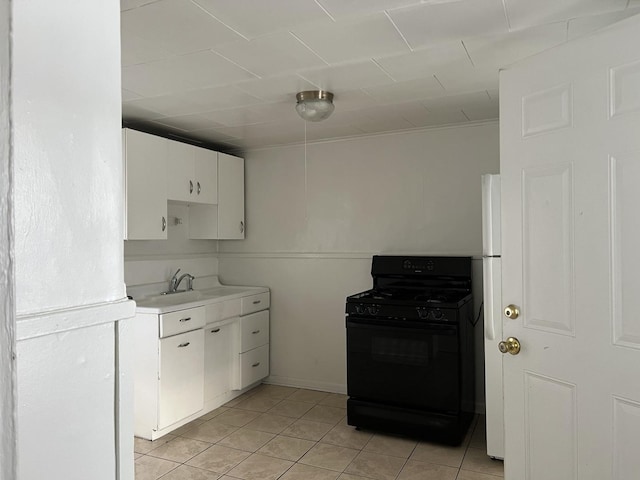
(325, 10)
(236, 64)
(384, 70)
(467, 52)
(310, 49)
(139, 6)
(223, 23)
(398, 30)
(506, 14)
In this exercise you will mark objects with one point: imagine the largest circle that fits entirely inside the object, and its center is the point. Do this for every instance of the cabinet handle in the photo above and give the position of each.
(199, 188)
(256, 332)
(256, 302)
(255, 364)
(164, 224)
(190, 186)
(215, 330)
(185, 319)
(241, 227)
(185, 344)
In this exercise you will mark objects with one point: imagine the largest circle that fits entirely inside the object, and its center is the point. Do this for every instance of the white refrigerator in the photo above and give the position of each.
(492, 293)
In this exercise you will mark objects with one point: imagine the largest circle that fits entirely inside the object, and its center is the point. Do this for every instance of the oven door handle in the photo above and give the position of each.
(389, 324)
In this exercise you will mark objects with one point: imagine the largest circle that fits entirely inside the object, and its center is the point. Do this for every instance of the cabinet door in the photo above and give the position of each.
(219, 359)
(181, 185)
(206, 175)
(181, 375)
(145, 158)
(230, 197)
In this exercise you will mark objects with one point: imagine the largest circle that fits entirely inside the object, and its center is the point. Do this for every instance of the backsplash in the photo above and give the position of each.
(146, 277)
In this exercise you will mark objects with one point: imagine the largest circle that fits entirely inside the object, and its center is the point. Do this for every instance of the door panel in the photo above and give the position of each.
(626, 436)
(569, 122)
(547, 110)
(547, 248)
(625, 178)
(552, 442)
(625, 88)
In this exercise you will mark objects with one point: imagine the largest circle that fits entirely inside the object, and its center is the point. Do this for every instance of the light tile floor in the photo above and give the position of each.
(284, 433)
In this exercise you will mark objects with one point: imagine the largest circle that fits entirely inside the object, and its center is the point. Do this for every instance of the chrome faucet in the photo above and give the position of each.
(174, 283)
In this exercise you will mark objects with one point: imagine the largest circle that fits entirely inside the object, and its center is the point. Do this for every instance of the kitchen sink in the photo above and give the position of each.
(179, 300)
(172, 299)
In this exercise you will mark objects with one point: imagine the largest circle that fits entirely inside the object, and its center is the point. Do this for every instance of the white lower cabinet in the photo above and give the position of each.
(219, 359)
(254, 347)
(191, 361)
(181, 382)
(254, 365)
(168, 373)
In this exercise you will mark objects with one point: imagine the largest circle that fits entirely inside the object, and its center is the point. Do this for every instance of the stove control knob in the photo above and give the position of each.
(423, 313)
(373, 309)
(360, 309)
(436, 314)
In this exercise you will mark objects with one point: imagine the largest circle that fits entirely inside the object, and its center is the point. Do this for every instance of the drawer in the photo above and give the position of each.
(254, 330)
(221, 310)
(181, 321)
(254, 303)
(254, 365)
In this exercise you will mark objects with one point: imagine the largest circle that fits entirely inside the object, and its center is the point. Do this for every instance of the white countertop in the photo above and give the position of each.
(172, 302)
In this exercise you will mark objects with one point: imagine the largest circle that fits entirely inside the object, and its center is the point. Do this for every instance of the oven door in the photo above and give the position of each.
(412, 364)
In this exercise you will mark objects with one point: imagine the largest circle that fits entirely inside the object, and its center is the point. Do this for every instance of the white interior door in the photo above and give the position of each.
(570, 165)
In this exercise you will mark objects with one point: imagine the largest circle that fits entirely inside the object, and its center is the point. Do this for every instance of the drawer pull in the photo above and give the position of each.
(215, 330)
(256, 302)
(185, 344)
(255, 364)
(256, 332)
(185, 319)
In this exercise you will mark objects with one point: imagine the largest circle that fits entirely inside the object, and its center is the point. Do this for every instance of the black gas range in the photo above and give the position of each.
(410, 359)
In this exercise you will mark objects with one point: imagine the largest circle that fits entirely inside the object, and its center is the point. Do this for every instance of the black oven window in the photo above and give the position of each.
(400, 351)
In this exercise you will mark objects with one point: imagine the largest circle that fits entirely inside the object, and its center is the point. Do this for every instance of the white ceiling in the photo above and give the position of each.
(226, 71)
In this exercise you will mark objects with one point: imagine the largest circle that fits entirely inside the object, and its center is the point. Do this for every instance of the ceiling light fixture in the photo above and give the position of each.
(314, 105)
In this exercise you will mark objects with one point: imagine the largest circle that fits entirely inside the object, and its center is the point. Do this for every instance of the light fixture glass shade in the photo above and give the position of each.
(314, 105)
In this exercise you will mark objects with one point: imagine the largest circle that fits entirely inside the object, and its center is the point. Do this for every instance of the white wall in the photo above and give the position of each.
(8, 442)
(68, 230)
(313, 225)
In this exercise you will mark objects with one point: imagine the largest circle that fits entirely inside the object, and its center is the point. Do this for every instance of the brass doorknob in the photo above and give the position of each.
(510, 345)
(511, 311)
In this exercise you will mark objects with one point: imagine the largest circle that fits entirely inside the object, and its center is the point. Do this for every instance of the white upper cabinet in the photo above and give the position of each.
(206, 175)
(230, 197)
(226, 220)
(157, 170)
(180, 171)
(192, 174)
(145, 167)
